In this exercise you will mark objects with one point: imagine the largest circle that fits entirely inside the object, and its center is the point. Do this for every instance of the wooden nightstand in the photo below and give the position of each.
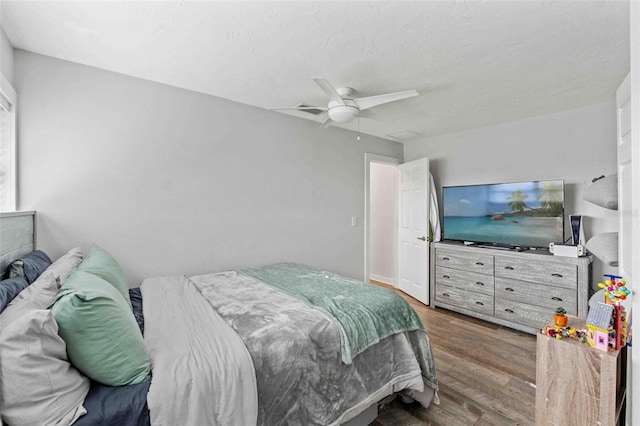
(577, 384)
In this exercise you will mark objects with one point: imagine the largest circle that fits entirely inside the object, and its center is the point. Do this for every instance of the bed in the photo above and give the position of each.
(281, 344)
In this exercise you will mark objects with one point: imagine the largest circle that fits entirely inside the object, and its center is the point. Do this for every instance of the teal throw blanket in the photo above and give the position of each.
(364, 313)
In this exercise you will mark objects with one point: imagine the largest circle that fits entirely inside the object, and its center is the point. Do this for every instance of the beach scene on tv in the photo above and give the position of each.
(526, 214)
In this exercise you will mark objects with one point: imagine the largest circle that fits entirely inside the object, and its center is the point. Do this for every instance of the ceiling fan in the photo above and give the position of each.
(342, 107)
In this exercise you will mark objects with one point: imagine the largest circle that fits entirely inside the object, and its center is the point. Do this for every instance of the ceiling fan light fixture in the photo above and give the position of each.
(342, 108)
(343, 113)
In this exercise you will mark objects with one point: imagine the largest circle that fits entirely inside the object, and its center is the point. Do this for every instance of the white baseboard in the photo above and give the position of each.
(382, 279)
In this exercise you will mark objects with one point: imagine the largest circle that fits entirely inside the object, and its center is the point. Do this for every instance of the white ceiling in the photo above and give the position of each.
(474, 63)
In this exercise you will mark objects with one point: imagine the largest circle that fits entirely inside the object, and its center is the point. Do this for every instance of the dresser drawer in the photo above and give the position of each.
(458, 278)
(522, 313)
(477, 302)
(541, 295)
(550, 273)
(473, 262)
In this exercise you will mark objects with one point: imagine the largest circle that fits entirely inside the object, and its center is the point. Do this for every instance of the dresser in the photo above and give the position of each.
(520, 290)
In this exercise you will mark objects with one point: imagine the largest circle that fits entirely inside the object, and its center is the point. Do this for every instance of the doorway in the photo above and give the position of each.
(382, 225)
(381, 209)
(397, 213)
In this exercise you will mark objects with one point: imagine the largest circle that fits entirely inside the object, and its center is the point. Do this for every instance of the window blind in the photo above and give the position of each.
(8, 182)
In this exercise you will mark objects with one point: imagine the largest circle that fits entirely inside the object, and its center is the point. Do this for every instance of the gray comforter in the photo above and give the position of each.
(295, 350)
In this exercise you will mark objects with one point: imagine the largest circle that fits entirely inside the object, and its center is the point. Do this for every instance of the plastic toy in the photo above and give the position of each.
(615, 289)
(560, 318)
(600, 324)
(561, 332)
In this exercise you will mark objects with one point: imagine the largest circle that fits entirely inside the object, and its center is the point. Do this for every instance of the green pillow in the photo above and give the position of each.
(102, 337)
(99, 262)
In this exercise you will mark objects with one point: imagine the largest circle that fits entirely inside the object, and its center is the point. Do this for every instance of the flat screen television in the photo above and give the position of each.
(521, 214)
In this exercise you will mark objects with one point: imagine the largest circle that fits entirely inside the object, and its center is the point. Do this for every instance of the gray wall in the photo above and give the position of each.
(175, 182)
(575, 145)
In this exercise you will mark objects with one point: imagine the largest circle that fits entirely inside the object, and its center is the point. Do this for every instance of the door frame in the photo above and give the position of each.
(633, 382)
(368, 159)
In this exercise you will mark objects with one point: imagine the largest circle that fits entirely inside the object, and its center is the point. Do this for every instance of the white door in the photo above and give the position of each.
(413, 229)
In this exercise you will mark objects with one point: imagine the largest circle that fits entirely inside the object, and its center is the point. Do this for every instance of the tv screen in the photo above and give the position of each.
(523, 214)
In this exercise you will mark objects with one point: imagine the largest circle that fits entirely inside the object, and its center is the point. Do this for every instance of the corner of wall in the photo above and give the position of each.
(6, 52)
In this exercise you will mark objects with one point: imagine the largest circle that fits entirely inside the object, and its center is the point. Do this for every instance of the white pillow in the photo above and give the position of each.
(38, 295)
(63, 266)
(605, 247)
(38, 385)
(603, 192)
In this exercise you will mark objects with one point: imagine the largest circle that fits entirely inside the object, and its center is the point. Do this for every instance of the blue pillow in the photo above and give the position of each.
(116, 405)
(136, 303)
(9, 289)
(30, 266)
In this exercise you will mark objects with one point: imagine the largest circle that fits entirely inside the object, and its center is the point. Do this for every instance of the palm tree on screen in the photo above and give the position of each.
(550, 197)
(516, 201)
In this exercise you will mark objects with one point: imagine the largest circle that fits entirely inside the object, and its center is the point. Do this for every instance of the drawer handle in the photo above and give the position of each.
(480, 303)
(446, 276)
(509, 289)
(479, 283)
(446, 294)
(556, 275)
(479, 263)
(556, 298)
(509, 268)
(510, 311)
(445, 258)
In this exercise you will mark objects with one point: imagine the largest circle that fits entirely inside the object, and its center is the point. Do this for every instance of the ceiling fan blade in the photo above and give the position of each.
(329, 90)
(299, 108)
(325, 123)
(371, 101)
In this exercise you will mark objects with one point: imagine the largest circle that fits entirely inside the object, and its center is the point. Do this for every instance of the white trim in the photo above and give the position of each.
(384, 280)
(10, 94)
(633, 382)
(368, 159)
(7, 90)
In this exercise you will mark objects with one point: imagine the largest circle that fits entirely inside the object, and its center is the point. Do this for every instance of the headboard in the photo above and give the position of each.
(17, 236)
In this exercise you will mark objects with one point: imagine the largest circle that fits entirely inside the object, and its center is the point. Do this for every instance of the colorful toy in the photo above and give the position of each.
(599, 325)
(561, 332)
(607, 326)
(615, 289)
(560, 317)
(600, 340)
(621, 326)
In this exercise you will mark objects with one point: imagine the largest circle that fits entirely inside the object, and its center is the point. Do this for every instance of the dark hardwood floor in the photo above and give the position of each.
(486, 373)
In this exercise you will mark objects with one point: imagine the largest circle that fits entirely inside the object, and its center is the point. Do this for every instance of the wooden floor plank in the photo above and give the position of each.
(483, 374)
(486, 373)
(512, 360)
(445, 360)
(456, 406)
(487, 412)
(492, 397)
(522, 390)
